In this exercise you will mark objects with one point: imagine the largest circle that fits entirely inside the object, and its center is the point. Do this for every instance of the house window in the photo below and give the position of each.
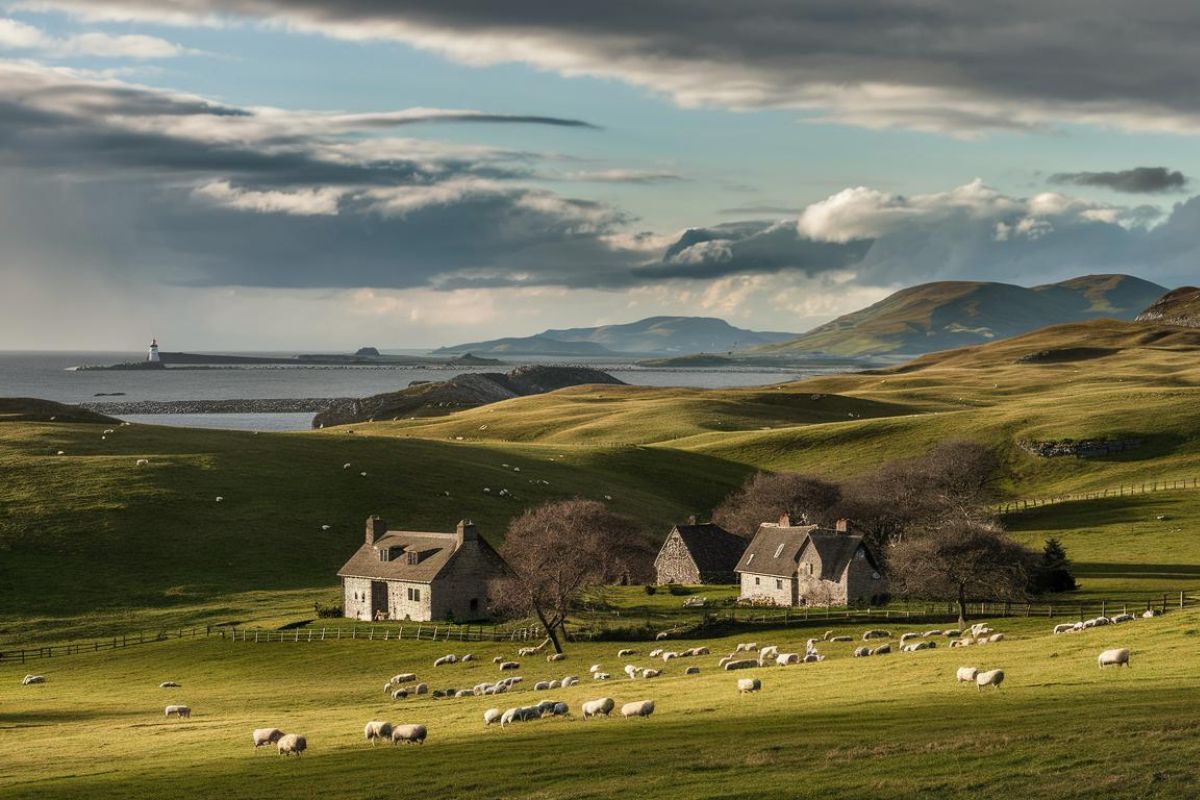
(778, 583)
(412, 557)
(809, 568)
(757, 581)
(383, 554)
(414, 595)
(778, 550)
(474, 603)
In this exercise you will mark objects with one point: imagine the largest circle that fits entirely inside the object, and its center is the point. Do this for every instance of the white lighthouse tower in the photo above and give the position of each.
(153, 357)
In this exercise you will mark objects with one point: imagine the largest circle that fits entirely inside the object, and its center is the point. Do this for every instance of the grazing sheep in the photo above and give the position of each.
(525, 652)
(263, 736)
(631, 671)
(404, 677)
(993, 677)
(656, 652)
(541, 686)
(545, 707)
(346, 465)
(700, 651)
(569, 681)
(220, 499)
(951, 633)
(1118, 657)
(741, 664)
(904, 637)
(377, 729)
(860, 652)
(601, 707)
(509, 665)
(491, 715)
(600, 676)
(881, 650)
(828, 635)
(1065, 627)
(667, 656)
(421, 688)
(560, 710)
(768, 652)
(556, 657)
(625, 653)
(746, 647)
(811, 645)
(724, 660)
(692, 671)
(463, 693)
(747, 685)
(1119, 618)
(641, 708)
(498, 660)
(168, 685)
(658, 637)
(876, 634)
(467, 657)
(981, 629)
(409, 734)
(651, 673)
(555, 684)
(915, 646)
(291, 743)
(142, 462)
(183, 712)
(1150, 613)
(967, 674)
(449, 658)
(783, 659)
(401, 694)
(594, 668)
(927, 634)
(812, 658)
(996, 637)
(840, 639)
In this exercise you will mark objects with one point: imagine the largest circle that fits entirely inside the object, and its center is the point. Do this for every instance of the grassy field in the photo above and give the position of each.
(895, 725)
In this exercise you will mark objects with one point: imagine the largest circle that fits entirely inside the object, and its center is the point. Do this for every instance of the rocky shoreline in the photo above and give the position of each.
(300, 405)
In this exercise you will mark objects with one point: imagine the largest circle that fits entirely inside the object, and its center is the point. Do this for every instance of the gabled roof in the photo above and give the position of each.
(836, 551)
(435, 552)
(774, 550)
(713, 548)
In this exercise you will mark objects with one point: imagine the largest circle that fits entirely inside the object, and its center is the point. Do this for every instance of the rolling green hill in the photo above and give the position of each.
(950, 314)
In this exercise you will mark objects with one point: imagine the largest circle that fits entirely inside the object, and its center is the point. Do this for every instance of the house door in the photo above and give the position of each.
(379, 599)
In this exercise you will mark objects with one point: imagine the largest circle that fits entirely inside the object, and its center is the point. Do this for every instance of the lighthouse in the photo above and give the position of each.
(153, 357)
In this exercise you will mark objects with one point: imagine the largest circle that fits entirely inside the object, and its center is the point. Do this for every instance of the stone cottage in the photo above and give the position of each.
(794, 565)
(417, 575)
(704, 553)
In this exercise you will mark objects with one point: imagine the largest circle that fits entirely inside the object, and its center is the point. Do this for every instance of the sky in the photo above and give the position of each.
(321, 174)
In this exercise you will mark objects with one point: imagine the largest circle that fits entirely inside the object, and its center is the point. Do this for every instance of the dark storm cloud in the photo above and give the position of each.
(958, 67)
(1143, 180)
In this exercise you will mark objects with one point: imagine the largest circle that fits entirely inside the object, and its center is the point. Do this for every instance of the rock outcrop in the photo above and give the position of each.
(1177, 307)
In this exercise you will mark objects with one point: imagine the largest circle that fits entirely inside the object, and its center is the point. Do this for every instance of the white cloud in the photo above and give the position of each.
(301, 202)
(16, 35)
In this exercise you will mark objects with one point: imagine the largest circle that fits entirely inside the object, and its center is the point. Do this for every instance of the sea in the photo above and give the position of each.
(51, 375)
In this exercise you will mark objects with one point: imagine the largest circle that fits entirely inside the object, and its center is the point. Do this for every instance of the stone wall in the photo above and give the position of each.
(468, 577)
(401, 608)
(674, 563)
(813, 590)
(860, 581)
(780, 591)
(356, 598)
(1082, 448)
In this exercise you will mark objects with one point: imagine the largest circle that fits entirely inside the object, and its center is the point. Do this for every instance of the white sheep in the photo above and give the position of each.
(1065, 627)
(143, 462)
(569, 681)
(600, 676)
(555, 684)
(640, 708)
(768, 652)
(861, 652)
(404, 677)
(168, 685)
(220, 499)
(1117, 657)
(692, 671)
(746, 647)
(876, 634)
(560, 709)
(556, 657)
(467, 657)
(904, 637)
(601, 707)
(491, 715)
(1119, 618)
(993, 677)
(346, 465)
(400, 694)
(951, 633)
(747, 685)
(263, 736)
(625, 653)
(449, 658)
(463, 693)
(291, 743)
(631, 671)
(670, 654)
(840, 639)
(541, 686)
(498, 660)
(421, 688)
(1149, 613)
(996, 637)
(699, 651)
(784, 659)
(967, 674)
(812, 658)
(377, 729)
(183, 712)
(509, 665)
(745, 663)
(651, 673)
(882, 649)
(409, 734)
(594, 668)
(724, 660)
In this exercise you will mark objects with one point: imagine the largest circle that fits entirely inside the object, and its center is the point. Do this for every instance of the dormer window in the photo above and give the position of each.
(384, 553)
(778, 550)
(411, 557)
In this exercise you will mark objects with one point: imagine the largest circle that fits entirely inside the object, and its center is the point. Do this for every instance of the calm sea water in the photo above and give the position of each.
(48, 375)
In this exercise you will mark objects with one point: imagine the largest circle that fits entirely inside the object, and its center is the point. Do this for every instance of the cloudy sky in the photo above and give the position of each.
(277, 174)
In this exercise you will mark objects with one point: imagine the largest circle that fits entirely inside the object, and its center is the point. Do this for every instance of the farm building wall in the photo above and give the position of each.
(674, 563)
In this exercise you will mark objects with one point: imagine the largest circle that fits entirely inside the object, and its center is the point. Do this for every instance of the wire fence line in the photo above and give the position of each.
(1128, 490)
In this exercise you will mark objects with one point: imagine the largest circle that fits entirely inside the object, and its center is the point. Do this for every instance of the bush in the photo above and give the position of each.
(677, 590)
(650, 588)
(326, 612)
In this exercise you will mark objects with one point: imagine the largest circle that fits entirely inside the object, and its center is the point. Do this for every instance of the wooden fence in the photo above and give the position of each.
(1145, 487)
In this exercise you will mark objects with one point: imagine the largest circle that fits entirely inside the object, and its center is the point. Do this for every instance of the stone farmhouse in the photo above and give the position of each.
(794, 565)
(704, 553)
(419, 576)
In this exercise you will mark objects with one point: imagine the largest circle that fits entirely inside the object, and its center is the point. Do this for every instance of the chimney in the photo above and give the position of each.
(785, 520)
(691, 519)
(842, 526)
(376, 528)
(465, 533)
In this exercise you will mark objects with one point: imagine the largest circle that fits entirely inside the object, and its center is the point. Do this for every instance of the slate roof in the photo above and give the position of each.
(713, 548)
(836, 550)
(435, 553)
(776, 550)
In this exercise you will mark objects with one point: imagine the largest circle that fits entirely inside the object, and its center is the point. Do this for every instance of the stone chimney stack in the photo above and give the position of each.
(785, 521)
(842, 526)
(465, 533)
(691, 519)
(376, 528)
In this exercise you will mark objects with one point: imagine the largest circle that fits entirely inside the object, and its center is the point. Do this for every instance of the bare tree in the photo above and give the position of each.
(559, 550)
(767, 496)
(961, 561)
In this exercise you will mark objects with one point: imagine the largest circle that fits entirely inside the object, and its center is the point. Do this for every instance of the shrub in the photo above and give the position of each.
(677, 590)
(650, 588)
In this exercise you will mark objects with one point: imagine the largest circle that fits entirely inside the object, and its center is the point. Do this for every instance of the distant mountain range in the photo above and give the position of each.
(651, 336)
(1178, 307)
(950, 314)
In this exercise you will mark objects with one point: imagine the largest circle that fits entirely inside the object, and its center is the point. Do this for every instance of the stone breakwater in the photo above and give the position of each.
(301, 405)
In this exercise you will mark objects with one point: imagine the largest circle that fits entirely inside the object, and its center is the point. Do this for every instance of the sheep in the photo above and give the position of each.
(996, 637)
(746, 647)
(498, 660)
(541, 686)
(768, 652)
(560, 709)
(692, 671)
(741, 664)
(601, 707)
(966, 674)
(876, 634)
(291, 743)
(670, 654)
(625, 653)
(882, 649)
(641, 708)
(1119, 618)
(347, 465)
(555, 684)
(421, 688)
(143, 462)
(409, 734)
(747, 685)
(516, 714)
(466, 658)
(860, 652)
(600, 676)
(1118, 657)
(401, 694)
(263, 736)
(927, 634)
(651, 673)
(963, 642)
(183, 712)
(1065, 627)
(993, 677)
(463, 693)
(812, 658)
(981, 629)
(569, 681)
(841, 639)
(827, 636)
(656, 652)
(811, 645)
(377, 729)
(700, 651)
(631, 671)
(556, 657)
(724, 660)
(658, 637)
(168, 685)
(449, 658)
(506, 666)
(490, 716)
(904, 637)
(1150, 613)
(951, 633)
(545, 707)
(220, 499)
(783, 659)
(594, 668)
(404, 677)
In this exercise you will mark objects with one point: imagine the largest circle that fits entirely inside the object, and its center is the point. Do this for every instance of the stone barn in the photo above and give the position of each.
(694, 553)
(795, 565)
(419, 576)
